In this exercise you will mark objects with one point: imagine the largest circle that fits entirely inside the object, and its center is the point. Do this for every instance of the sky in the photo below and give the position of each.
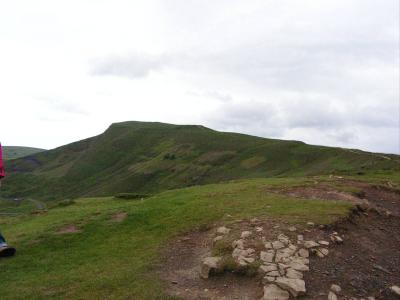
(323, 72)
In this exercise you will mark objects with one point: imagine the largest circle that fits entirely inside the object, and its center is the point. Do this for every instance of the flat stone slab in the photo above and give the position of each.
(273, 292)
(296, 287)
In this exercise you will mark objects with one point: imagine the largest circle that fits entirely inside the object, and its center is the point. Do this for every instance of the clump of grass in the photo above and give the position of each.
(131, 196)
(222, 247)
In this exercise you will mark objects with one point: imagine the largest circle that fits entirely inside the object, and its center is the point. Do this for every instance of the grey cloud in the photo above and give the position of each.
(60, 105)
(134, 65)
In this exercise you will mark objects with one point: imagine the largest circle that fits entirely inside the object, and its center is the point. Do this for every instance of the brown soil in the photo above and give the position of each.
(366, 264)
(119, 217)
(68, 229)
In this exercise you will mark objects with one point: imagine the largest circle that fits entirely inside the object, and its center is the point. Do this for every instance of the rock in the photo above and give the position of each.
(332, 296)
(238, 244)
(324, 243)
(268, 279)
(300, 237)
(268, 245)
(304, 253)
(283, 239)
(254, 220)
(296, 287)
(218, 238)
(283, 253)
(310, 244)
(310, 224)
(247, 259)
(292, 273)
(278, 245)
(209, 264)
(273, 274)
(292, 228)
(299, 266)
(267, 256)
(336, 239)
(268, 268)
(272, 292)
(371, 298)
(246, 234)
(259, 229)
(223, 230)
(324, 251)
(395, 289)
(335, 288)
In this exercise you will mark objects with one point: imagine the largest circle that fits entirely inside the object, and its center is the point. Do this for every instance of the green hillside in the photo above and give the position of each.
(13, 152)
(143, 157)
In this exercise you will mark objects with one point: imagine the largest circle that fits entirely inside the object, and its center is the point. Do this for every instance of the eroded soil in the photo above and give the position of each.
(365, 265)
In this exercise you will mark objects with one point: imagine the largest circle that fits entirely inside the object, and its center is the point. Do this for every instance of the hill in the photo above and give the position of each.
(13, 152)
(142, 157)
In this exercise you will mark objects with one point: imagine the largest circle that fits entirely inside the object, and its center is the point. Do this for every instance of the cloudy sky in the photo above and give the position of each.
(325, 72)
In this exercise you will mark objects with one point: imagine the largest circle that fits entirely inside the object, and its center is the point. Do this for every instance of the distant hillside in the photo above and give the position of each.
(13, 152)
(149, 157)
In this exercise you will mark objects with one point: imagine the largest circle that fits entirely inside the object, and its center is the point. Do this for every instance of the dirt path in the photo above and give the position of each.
(365, 265)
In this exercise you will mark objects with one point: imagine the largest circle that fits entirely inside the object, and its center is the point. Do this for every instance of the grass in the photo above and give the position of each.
(13, 152)
(110, 260)
(146, 158)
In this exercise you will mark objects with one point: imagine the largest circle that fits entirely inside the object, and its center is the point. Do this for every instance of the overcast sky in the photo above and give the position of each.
(324, 72)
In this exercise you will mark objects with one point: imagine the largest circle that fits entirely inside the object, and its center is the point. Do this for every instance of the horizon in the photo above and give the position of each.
(324, 73)
(190, 125)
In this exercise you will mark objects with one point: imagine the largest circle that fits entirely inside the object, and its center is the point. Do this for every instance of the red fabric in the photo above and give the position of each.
(2, 173)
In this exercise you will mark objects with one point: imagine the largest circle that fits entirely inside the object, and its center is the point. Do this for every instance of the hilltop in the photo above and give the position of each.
(13, 152)
(142, 157)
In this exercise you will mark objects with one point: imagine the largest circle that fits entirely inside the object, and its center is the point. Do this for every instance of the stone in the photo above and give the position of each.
(371, 298)
(292, 273)
(300, 260)
(324, 243)
(304, 253)
(300, 237)
(268, 279)
(336, 288)
(272, 292)
(332, 296)
(296, 287)
(284, 239)
(268, 245)
(209, 264)
(395, 289)
(267, 256)
(310, 244)
(278, 245)
(292, 228)
(237, 252)
(245, 234)
(223, 230)
(310, 224)
(273, 274)
(324, 251)
(283, 253)
(259, 229)
(268, 268)
(247, 259)
(336, 239)
(299, 266)
(218, 238)
(238, 244)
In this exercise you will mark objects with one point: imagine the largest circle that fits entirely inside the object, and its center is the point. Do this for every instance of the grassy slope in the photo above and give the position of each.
(150, 157)
(13, 152)
(114, 260)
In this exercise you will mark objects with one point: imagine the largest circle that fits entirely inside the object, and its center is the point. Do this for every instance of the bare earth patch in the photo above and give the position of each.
(68, 229)
(119, 217)
(365, 265)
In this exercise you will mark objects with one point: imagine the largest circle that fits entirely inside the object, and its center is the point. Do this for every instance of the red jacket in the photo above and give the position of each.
(2, 173)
